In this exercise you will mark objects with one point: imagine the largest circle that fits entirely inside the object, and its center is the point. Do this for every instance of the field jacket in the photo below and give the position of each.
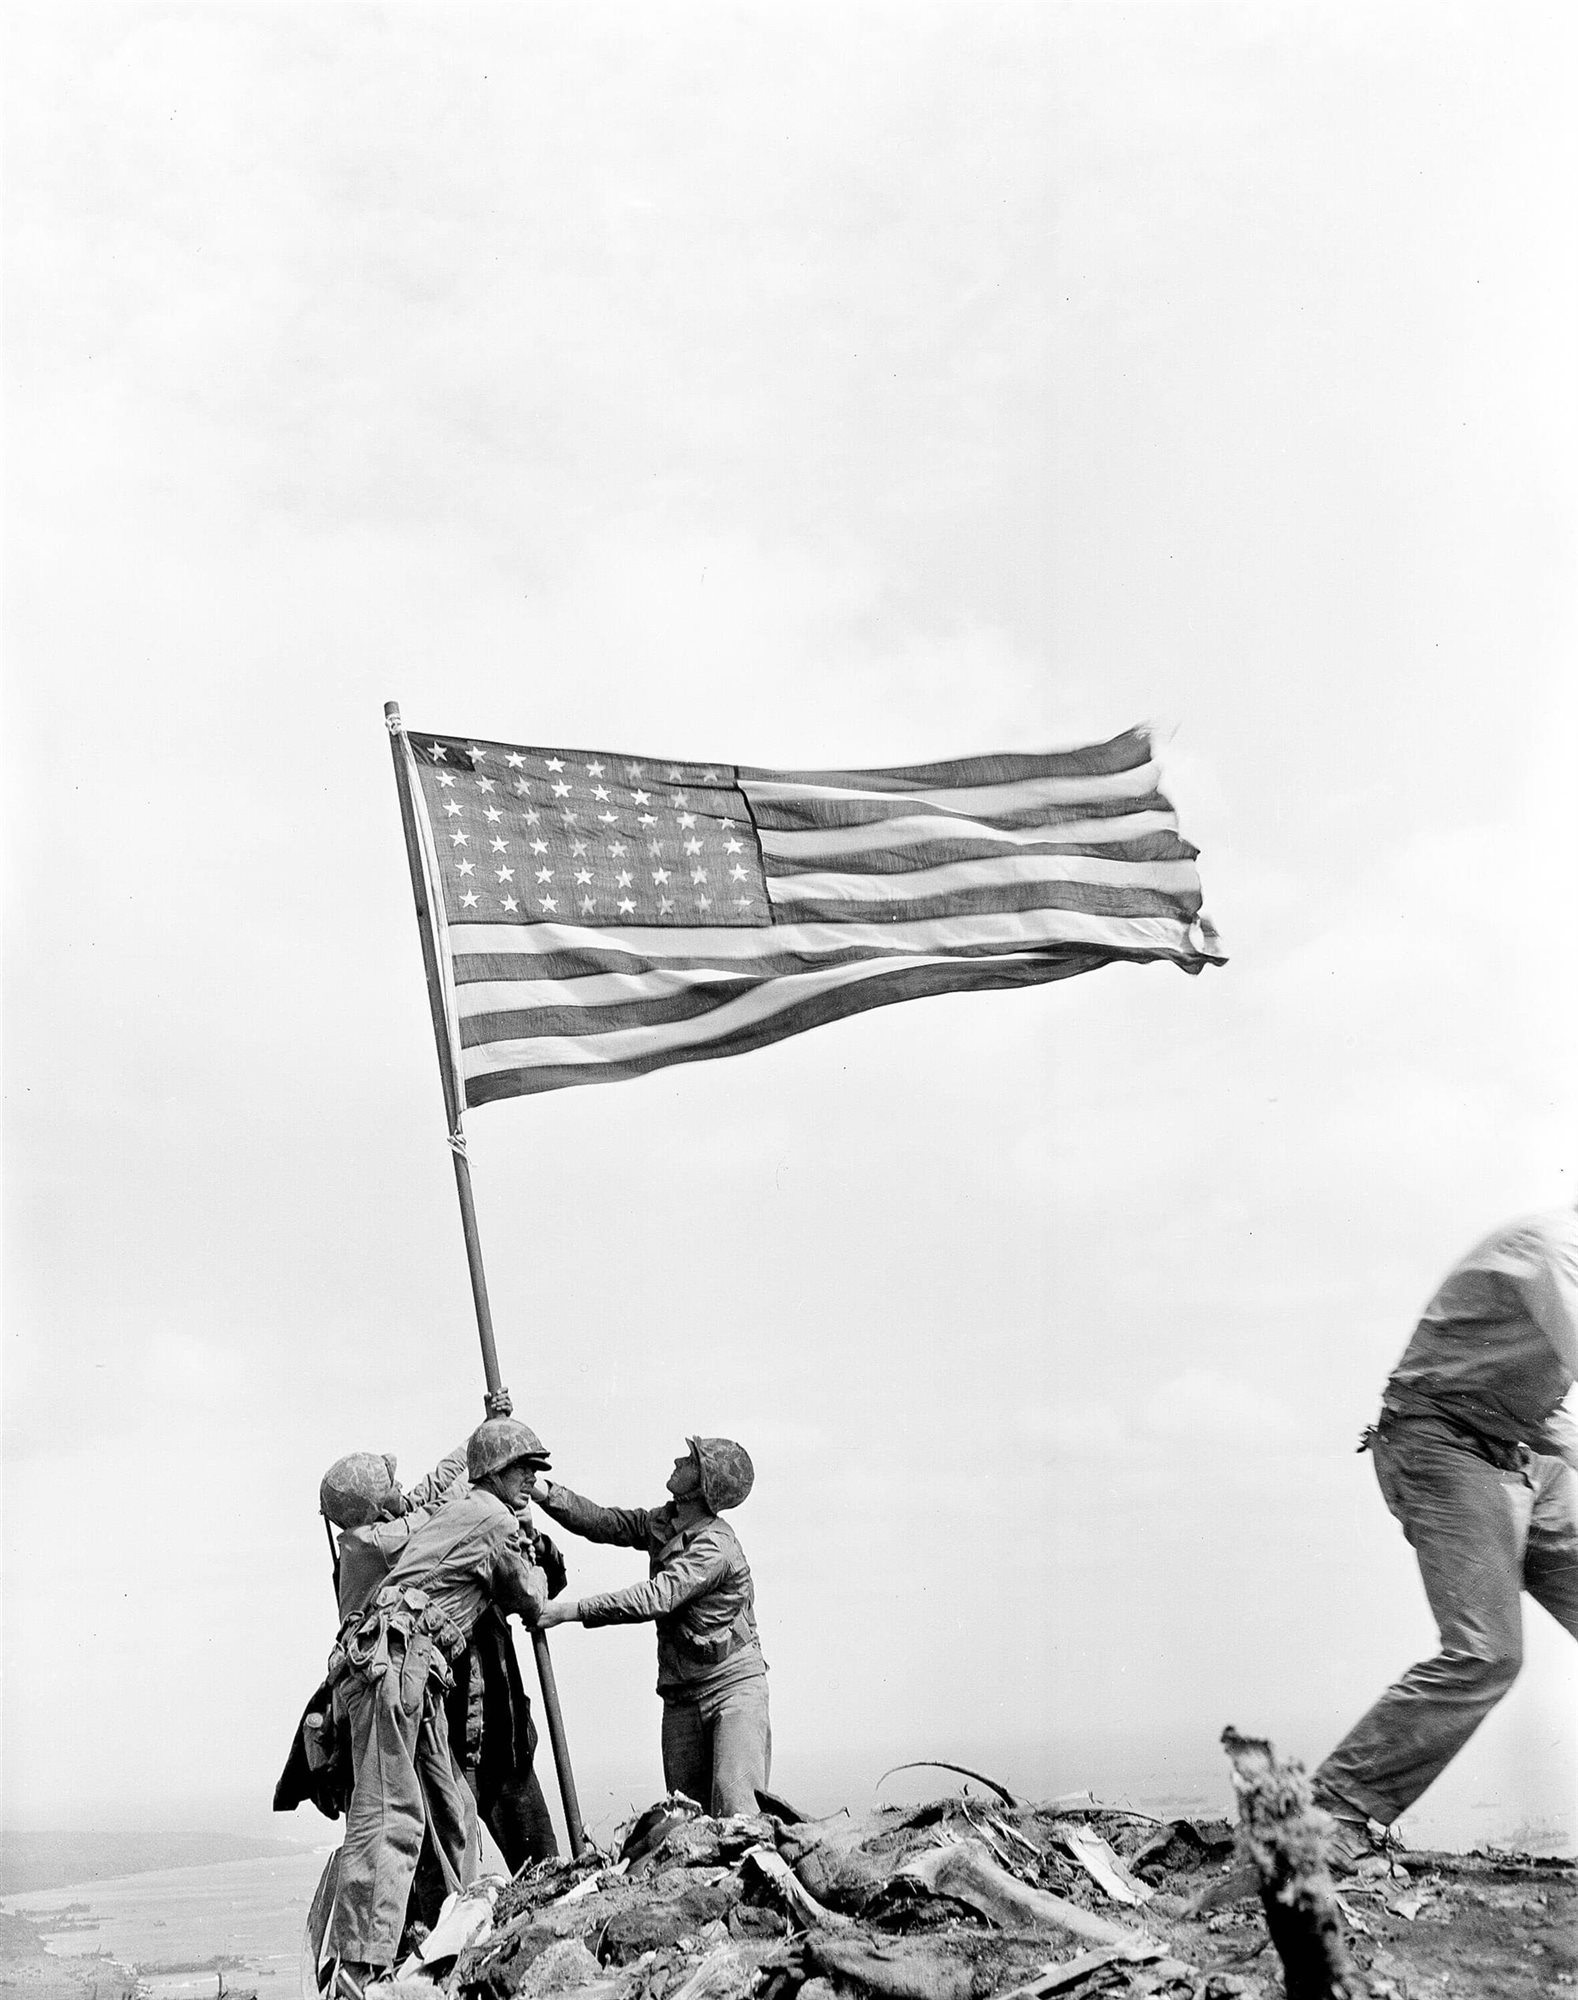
(699, 1593)
(367, 1555)
(1496, 1350)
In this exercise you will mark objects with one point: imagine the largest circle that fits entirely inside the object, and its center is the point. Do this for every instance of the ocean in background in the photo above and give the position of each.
(173, 1923)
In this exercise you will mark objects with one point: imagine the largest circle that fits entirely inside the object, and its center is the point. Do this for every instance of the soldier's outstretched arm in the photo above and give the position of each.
(625, 1527)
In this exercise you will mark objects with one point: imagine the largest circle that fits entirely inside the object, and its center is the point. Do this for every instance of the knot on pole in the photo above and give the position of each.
(457, 1142)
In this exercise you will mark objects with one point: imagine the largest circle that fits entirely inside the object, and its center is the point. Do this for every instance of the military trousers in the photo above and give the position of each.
(1483, 1535)
(518, 1818)
(718, 1749)
(406, 1788)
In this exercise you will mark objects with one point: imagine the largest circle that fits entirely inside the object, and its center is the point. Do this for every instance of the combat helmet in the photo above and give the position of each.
(355, 1488)
(500, 1442)
(727, 1474)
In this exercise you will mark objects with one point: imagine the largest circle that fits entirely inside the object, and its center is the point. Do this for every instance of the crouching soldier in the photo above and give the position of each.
(717, 1741)
(391, 1671)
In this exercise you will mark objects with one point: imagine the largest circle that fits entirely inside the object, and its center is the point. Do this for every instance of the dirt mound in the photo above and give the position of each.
(974, 1899)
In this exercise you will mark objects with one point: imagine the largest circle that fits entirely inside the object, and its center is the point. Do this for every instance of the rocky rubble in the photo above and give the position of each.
(964, 1898)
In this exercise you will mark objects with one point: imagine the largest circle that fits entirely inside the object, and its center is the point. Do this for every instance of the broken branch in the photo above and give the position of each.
(1283, 1834)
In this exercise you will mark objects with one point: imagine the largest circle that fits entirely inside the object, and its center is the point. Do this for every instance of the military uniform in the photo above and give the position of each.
(391, 1672)
(1476, 1460)
(717, 1736)
(491, 1732)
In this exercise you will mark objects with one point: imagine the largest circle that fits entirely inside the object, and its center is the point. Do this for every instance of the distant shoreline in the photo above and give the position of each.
(33, 1972)
(30, 1862)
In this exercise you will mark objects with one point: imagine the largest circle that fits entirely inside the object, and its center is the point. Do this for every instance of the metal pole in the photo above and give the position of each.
(468, 1223)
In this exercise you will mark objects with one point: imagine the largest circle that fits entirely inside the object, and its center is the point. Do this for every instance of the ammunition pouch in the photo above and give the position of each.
(402, 1630)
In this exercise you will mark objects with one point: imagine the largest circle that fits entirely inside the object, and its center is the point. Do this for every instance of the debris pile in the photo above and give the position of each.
(964, 1898)
(953, 1900)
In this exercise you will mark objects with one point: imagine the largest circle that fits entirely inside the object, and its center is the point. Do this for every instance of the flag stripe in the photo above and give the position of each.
(1025, 795)
(521, 1022)
(498, 980)
(812, 812)
(1089, 898)
(497, 996)
(970, 845)
(963, 877)
(766, 1013)
(566, 951)
(1120, 753)
(900, 833)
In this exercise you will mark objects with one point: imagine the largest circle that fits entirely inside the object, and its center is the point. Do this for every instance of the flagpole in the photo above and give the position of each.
(454, 1104)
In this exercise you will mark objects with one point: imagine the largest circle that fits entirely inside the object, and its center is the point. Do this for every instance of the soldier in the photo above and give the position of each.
(390, 1672)
(1476, 1459)
(717, 1740)
(491, 1730)
(361, 1496)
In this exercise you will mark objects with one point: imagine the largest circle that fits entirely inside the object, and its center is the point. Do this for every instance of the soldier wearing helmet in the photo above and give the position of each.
(491, 1729)
(717, 1739)
(360, 1495)
(452, 1570)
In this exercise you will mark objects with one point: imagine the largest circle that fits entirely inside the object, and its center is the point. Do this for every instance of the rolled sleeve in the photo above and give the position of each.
(515, 1584)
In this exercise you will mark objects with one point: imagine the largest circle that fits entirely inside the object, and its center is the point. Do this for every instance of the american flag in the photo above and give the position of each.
(600, 915)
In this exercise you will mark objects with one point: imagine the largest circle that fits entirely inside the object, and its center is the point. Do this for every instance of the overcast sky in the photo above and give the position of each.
(793, 385)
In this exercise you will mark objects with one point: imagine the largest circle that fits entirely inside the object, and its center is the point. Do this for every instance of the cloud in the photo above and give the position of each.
(1204, 1406)
(1075, 1430)
(1199, 1407)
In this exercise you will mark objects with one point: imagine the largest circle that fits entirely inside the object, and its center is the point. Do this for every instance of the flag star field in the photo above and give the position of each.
(525, 836)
